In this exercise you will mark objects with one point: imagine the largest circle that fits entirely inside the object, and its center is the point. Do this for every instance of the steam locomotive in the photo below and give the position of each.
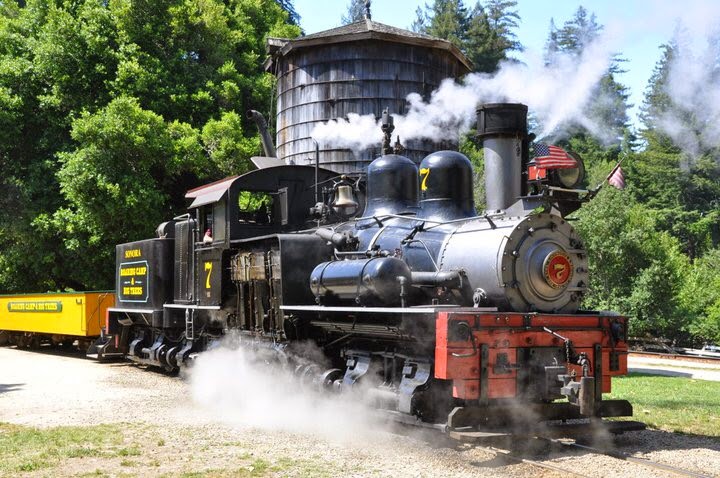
(444, 314)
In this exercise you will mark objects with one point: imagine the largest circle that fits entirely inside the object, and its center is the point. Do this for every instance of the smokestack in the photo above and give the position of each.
(502, 128)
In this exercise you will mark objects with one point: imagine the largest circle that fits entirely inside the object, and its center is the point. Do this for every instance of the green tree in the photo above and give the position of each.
(355, 12)
(578, 32)
(484, 33)
(53, 58)
(684, 197)
(634, 269)
(657, 103)
(684, 190)
(608, 107)
(503, 19)
(293, 16)
(227, 145)
(701, 298)
(183, 71)
(115, 184)
(446, 19)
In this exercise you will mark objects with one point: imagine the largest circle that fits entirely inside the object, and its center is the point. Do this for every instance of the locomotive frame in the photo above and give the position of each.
(443, 314)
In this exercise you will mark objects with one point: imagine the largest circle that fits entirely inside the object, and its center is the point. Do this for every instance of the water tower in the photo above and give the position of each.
(362, 68)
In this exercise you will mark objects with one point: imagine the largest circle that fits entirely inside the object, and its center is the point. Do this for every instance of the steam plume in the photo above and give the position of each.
(252, 388)
(558, 95)
(692, 120)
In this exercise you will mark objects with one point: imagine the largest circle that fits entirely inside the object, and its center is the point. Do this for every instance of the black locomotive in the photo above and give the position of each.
(446, 314)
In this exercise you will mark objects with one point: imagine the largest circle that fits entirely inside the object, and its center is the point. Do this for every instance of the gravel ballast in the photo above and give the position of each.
(175, 435)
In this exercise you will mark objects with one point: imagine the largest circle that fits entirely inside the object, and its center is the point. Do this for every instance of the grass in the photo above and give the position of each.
(117, 452)
(261, 468)
(674, 404)
(31, 449)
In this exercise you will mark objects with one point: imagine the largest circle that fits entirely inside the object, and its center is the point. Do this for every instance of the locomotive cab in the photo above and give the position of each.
(176, 293)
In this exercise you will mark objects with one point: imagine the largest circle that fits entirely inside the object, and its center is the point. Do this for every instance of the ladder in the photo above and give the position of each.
(189, 324)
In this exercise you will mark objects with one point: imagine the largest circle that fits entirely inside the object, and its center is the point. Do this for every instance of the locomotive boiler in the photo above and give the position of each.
(442, 313)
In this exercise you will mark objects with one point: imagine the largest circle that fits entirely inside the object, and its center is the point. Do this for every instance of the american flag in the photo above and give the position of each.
(553, 157)
(617, 178)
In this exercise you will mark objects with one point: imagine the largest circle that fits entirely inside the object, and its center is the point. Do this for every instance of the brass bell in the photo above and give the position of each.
(345, 203)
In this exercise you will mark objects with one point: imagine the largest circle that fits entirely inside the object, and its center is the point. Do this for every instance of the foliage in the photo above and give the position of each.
(447, 19)
(657, 101)
(701, 298)
(608, 107)
(685, 197)
(114, 183)
(680, 109)
(355, 12)
(293, 16)
(576, 34)
(635, 269)
(475, 155)
(109, 111)
(227, 146)
(684, 189)
(502, 19)
(484, 33)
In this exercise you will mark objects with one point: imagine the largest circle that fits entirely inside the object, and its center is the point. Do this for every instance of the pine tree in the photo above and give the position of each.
(446, 19)
(685, 191)
(293, 15)
(578, 32)
(491, 36)
(355, 12)
(503, 20)
(608, 106)
(484, 33)
(551, 45)
(657, 103)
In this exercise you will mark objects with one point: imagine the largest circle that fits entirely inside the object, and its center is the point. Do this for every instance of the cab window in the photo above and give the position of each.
(219, 221)
(255, 207)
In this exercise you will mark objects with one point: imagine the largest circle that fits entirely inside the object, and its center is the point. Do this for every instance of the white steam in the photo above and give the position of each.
(251, 388)
(692, 120)
(558, 95)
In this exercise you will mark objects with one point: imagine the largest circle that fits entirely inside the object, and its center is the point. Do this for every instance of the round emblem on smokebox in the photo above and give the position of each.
(558, 269)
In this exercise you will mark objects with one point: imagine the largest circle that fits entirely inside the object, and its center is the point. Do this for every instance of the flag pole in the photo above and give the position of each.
(607, 178)
(597, 188)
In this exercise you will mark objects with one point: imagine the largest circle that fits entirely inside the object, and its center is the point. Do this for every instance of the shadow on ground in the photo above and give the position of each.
(10, 387)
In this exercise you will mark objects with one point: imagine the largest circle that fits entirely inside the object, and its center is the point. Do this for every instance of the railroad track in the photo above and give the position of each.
(514, 457)
(677, 357)
(620, 455)
(518, 455)
(512, 447)
(516, 447)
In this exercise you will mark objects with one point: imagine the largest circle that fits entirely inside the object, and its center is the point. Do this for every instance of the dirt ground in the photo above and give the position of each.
(162, 431)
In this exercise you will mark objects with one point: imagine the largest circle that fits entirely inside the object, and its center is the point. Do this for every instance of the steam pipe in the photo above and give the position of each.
(267, 143)
(451, 279)
(317, 169)
(338, 239)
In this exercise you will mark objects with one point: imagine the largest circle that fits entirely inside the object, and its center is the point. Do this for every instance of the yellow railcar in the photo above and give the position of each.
(28, 319)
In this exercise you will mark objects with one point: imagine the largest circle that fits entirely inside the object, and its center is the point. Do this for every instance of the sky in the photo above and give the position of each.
(635, 28)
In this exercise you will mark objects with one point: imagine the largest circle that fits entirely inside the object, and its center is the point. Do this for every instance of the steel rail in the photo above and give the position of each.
(620, 455)
(509, 456)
